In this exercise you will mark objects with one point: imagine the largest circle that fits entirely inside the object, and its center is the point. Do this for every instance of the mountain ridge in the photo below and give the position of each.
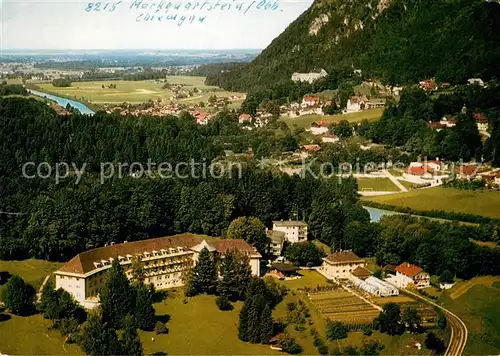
(397, 41)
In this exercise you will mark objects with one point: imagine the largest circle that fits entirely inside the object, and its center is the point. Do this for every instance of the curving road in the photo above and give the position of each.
(459, 333)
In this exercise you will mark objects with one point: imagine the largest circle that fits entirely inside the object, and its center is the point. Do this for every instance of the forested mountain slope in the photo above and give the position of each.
(398, 41)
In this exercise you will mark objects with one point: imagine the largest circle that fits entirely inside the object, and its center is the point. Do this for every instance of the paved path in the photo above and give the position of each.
(395, 181)
(459, 333)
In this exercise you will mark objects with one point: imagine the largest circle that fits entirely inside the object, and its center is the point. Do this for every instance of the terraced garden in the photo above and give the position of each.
(342, 306)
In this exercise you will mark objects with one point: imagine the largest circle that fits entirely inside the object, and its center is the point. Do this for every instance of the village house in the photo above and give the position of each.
(244, 118)
(476, 81)
(295, 231)
(428, 85)
(448, 121)
(201, 118)
(436, 126)
(319, 127)
(340, 265)
(164, 260)
(481, 121)
(467, 171)
(277, 241)
(329, 138)
(375, 104)
(356, 103)
(309, 101)
(411, 274)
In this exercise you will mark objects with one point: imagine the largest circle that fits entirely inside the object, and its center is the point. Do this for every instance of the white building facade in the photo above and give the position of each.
(165, 260)
(295, 231)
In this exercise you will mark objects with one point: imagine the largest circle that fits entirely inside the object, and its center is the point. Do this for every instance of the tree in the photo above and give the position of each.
(98, 338)
(18, 296)
(336, 330)
(432, 342)
(266, 322)
(138, 273)
(372, 348)
(235, 274)
(446, 276)
(290, 346)
(305, 254)
(116, 297)
(389, 320)
(48, 301)
(130, 342)
(243, 323)
(160, 328)
(345, 92)
(343, 129)
(204, 275)
(144, 312)
(223, 303)
(411, 319)
(250, 229)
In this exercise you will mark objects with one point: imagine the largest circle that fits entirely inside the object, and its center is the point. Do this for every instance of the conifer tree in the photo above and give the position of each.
(266, 321)
(144, 312)
(98, 338)
(130, 342)
(204, 276)
(235, 274)
(116, 298)
(257, 305)
(243, 326)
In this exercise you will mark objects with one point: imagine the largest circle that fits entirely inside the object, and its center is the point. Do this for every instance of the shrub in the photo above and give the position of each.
(223, 303)
(336, 330)
(18, 296)
(323, 350)
(289, 346)
(367, 331)
(160, 328)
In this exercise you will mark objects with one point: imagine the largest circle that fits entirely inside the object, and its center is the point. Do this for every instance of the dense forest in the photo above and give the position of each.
(406, 42)
(55, 219)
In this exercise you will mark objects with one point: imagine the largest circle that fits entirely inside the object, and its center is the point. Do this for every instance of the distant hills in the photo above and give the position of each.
(397, 41)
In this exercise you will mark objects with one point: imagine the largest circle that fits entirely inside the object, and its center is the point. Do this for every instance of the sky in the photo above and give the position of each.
(66, 24)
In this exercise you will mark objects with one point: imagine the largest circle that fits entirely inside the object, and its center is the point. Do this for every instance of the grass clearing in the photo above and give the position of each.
(138, 91)
(480, 202)
(477, 303)
(32, 271)
(199, 328)
(376, 184)
(305, 121)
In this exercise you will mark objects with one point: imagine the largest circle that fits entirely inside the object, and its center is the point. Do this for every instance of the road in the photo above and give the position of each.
(395, 181)
(459, 333)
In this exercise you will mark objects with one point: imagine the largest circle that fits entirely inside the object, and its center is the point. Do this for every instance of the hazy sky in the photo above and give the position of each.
(65, 24)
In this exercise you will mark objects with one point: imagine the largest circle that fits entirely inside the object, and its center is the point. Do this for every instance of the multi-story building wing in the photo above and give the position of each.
(164, 261)
(340, 265)
(295, 231)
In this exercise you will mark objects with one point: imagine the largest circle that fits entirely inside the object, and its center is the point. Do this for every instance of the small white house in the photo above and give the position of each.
(407, 273)
(330, 138)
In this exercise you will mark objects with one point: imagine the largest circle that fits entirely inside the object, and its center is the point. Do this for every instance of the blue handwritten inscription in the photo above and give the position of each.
(182, 12)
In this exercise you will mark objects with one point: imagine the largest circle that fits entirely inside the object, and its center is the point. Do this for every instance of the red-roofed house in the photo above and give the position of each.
(308, 101)
(422, 171)
(481, 121)
(428, 85)
(467, 171)
(201, 117)
(329, 138)
(310, 148)
(411, 274)
(319, 127)
(244, 118)
(436, 125)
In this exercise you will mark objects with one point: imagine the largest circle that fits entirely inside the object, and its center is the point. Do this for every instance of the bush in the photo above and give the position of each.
(323, 350)
(367, 331)
(336, 330)
(223, 303)
(18, 296)
(160, 328)
(289, 346)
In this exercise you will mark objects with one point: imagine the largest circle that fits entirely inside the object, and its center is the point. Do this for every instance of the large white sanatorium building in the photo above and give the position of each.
(164, 260)
(295, 231)
(340, 265)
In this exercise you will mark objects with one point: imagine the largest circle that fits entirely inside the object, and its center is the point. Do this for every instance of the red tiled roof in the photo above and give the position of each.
(468, 170)
(322, 123)
(361, 272)
(408, 270)
(436, 125)
(311, 98)
(343, 257)
(418, 171)
(480, 117)
(313, 148)
(84, 262)
(244, 117)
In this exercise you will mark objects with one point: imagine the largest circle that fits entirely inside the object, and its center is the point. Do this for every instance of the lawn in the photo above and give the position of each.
(356, 117)
(477, 303)
(136, 91)
(486, 203)
(198, 328)
(31, 336)
(377, 184)
(32, 271)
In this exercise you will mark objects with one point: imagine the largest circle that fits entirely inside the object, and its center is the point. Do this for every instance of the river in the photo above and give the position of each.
(377, 214)
(63, 101)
